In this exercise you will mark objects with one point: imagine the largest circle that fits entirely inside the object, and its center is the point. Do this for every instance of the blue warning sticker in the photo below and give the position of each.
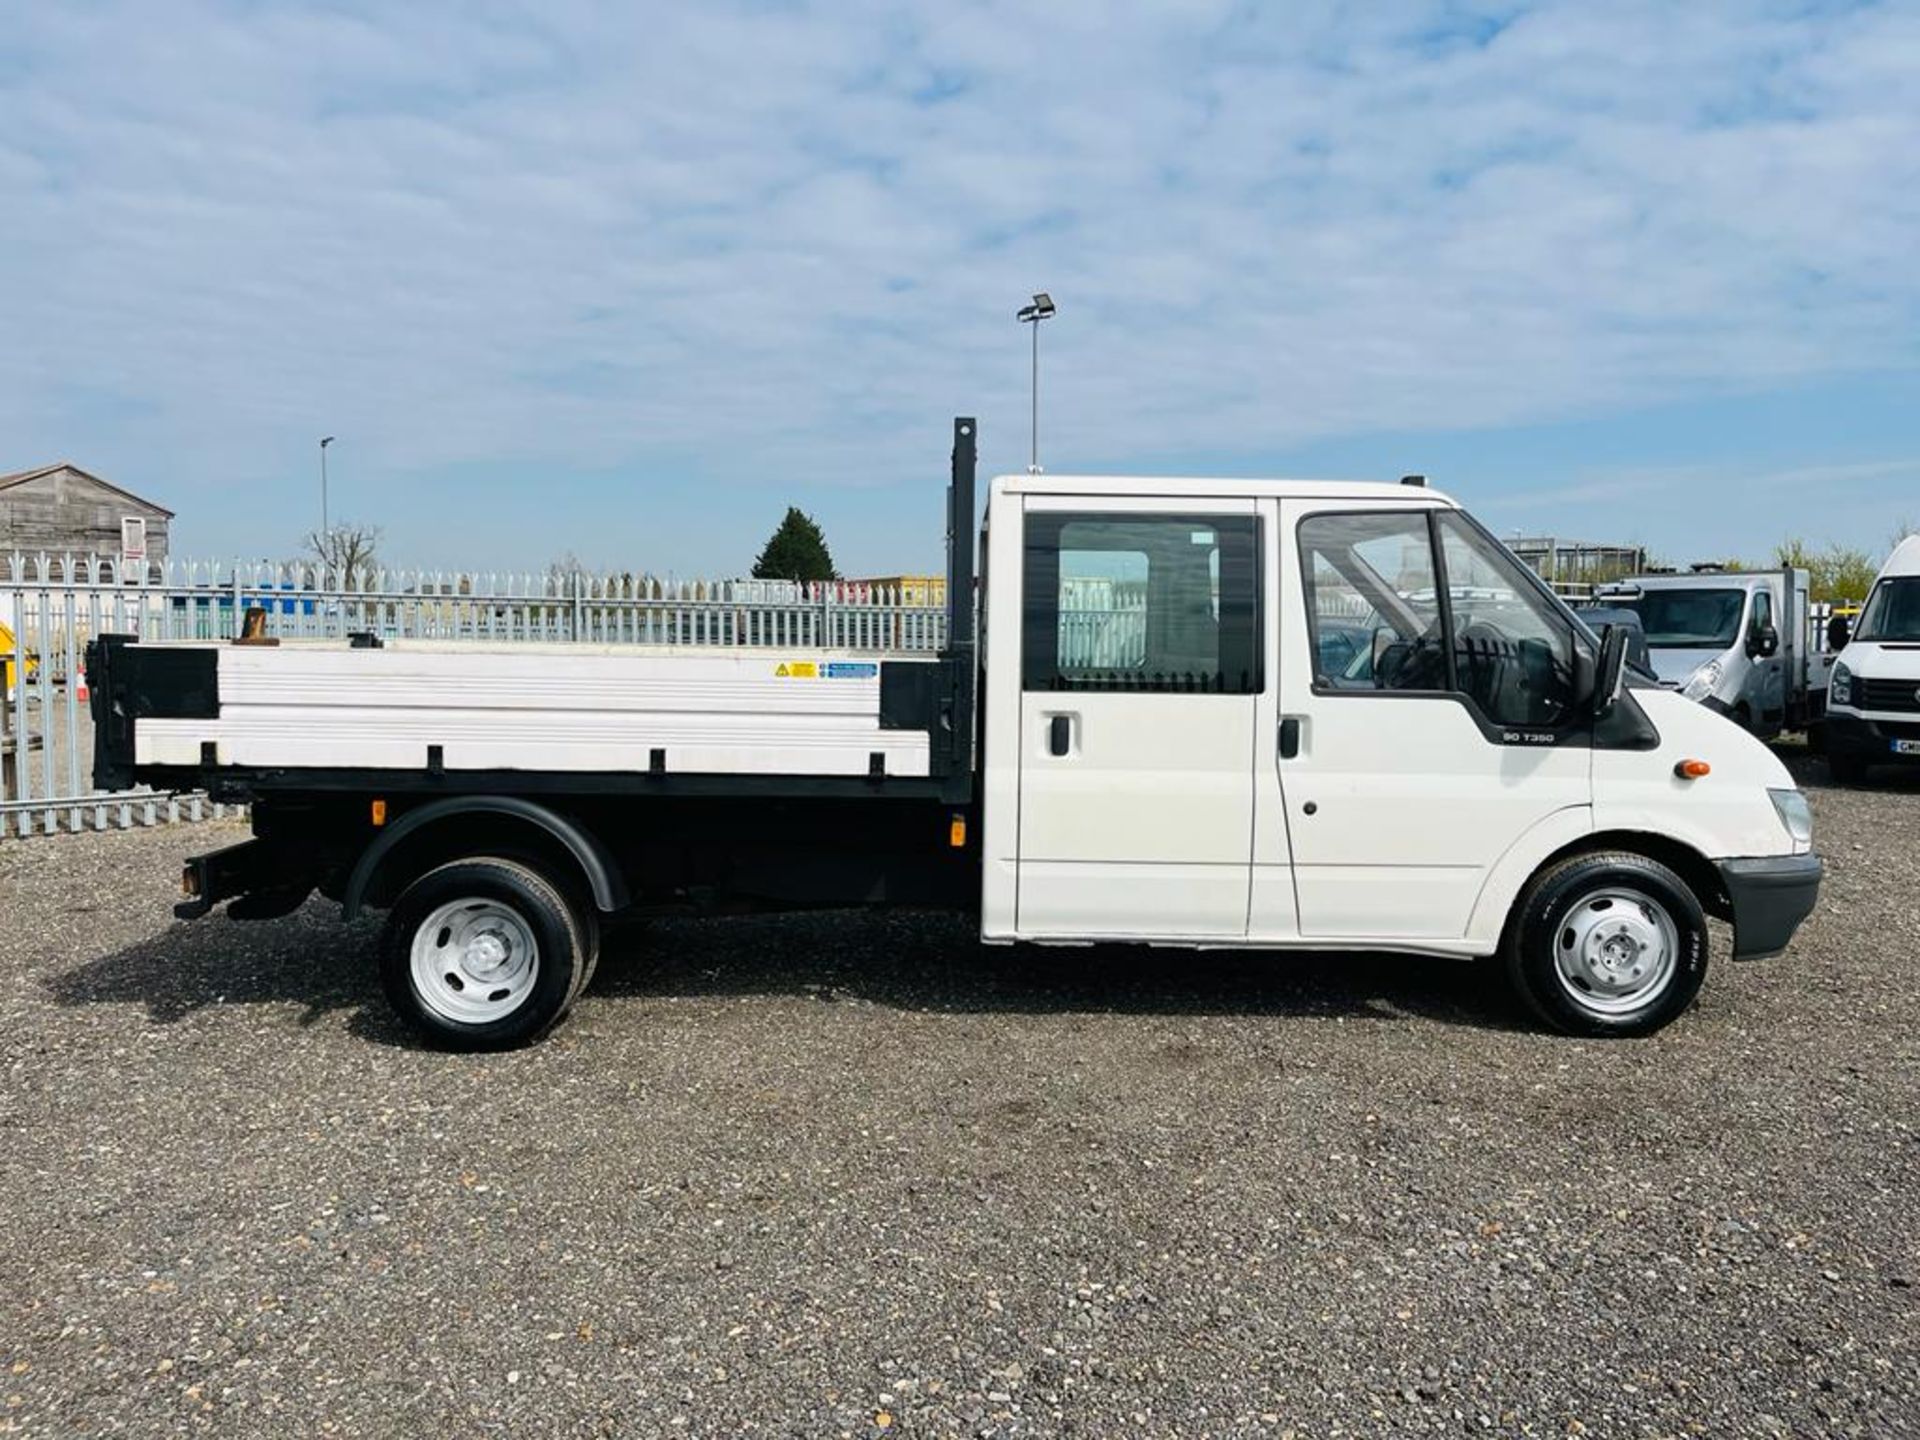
(850, 669)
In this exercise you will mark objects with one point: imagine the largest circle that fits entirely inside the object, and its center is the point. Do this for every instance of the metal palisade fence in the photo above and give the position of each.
(51, 606)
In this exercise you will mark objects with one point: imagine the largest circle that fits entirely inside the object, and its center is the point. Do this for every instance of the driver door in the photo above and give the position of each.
(1448, 730)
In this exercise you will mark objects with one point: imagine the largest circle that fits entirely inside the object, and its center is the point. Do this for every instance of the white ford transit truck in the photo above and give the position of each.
(1276, 715)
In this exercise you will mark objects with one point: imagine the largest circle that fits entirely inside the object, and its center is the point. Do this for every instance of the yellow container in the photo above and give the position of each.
(913, 589)
(6, 662)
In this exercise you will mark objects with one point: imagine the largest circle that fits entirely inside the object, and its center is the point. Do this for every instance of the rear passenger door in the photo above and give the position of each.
(1434, 720)
(1140, 667)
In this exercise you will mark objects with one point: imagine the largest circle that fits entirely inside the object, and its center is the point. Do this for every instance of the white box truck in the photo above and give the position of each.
(1873, 712)
(1737, 641)
(1285, 714)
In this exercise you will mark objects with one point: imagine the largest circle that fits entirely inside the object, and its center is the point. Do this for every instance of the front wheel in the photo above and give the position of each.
(1607, 944)
(484, 954)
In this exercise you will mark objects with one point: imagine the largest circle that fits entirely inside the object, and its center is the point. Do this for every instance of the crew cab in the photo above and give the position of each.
(1273, 715)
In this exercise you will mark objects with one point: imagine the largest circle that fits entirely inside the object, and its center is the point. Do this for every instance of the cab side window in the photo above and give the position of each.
(1513, 653)
(1160, 603)
(1372, 605)
(1381, 618)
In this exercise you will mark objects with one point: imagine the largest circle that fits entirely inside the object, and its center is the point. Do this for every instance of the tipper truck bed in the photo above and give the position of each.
(330, 707)
(1265, 714)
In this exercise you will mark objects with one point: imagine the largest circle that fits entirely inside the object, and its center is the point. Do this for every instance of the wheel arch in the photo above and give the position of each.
(1557, 839)
(1695, 869)
(469, 825)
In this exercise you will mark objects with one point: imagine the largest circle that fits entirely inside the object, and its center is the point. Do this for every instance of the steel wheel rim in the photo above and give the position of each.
(474, 961)
(1616, 950)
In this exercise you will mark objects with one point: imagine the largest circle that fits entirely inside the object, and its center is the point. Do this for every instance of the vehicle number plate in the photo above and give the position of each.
(1906, 747)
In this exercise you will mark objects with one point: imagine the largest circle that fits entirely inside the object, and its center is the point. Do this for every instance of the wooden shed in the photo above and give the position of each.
(61, 509)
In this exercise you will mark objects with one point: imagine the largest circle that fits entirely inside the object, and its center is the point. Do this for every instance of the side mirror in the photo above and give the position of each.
(1610, 675)
(1839, 633)
(1766, 642)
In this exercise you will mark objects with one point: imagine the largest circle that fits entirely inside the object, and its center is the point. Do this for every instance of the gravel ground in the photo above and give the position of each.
(849, 1175)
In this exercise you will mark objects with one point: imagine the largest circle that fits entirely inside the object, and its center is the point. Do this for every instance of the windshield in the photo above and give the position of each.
(1893, 611)
(1688, 619)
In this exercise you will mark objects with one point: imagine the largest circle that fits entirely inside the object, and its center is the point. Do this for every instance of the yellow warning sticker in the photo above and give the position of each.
(798, 670)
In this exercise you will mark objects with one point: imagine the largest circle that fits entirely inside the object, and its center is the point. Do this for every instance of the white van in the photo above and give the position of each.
(1736, 641)
(1873, 698)
(1275, 715)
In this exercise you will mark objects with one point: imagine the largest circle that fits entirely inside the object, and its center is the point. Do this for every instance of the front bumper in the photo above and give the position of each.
(1870, 739)
(1770, 896)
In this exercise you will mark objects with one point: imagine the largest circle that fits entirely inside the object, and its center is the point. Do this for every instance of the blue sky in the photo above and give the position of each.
(623, 281)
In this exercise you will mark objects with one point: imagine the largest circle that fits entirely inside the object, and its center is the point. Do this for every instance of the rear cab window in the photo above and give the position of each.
(1146, 602)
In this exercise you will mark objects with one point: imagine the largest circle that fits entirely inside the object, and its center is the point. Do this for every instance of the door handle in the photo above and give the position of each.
(1059, 734)
(1289, 737)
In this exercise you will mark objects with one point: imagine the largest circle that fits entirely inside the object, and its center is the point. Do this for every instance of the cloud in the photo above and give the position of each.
(1620, 484)
(713, 243)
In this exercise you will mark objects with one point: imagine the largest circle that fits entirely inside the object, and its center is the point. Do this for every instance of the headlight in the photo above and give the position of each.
(1840, 686)
(1700, 684)
(1791, 807)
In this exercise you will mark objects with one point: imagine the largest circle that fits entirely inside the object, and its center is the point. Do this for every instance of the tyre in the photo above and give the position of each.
(586, 915)
(485, 954)
(1607, 944)
(588, 920)
(1846, 769)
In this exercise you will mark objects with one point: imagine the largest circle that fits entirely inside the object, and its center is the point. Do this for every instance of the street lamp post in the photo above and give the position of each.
(1042, 308)
(325, 441)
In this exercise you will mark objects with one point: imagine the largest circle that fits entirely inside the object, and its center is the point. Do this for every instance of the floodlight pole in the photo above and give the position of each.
(1033, 430)
(1042, 308)
(325, 441)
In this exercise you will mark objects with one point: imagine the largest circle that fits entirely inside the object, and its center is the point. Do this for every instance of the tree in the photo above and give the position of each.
(1834, 572)
(1904, 528)
(796, 551)
(346, 553)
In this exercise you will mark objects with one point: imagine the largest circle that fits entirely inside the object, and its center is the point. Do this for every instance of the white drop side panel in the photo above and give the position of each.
(542, 708)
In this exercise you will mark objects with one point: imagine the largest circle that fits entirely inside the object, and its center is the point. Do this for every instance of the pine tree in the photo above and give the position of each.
(796, 551)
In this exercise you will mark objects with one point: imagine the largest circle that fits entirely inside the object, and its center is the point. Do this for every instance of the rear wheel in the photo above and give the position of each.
(485, 954)
(1607, 944)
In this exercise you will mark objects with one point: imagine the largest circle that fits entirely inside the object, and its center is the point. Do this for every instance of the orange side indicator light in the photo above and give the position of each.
(957, 832)
(1692, 769)
(378, 812)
